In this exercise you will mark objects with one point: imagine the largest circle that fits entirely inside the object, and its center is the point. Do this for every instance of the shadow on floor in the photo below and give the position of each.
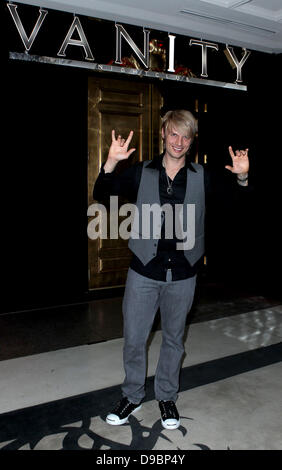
(69, 423)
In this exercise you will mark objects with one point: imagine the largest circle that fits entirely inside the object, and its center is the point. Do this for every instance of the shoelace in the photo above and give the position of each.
(168, 408)
(126, 405)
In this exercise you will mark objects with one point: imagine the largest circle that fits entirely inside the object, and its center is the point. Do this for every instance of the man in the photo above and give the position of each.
(160, 275)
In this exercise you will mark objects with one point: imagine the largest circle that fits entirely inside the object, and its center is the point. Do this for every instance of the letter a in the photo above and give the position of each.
(97, 228)
(82, 42)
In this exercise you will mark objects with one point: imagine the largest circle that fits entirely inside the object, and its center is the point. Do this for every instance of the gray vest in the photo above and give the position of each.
(146, 248)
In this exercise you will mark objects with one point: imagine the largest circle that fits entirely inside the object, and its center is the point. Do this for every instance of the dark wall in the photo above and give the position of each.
(44, 171)
(264, 96)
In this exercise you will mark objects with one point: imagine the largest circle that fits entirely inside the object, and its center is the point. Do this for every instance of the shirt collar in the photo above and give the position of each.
(156, 163)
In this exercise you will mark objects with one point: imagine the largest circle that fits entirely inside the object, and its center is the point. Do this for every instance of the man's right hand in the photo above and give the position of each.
(118, 151)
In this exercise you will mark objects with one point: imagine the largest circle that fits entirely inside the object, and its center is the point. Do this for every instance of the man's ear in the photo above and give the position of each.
(163, 133)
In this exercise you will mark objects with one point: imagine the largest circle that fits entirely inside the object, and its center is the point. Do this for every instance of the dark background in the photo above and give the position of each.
(44, 174)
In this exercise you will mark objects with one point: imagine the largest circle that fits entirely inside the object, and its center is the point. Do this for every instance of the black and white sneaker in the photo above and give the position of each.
(169, 414)
(122, 411)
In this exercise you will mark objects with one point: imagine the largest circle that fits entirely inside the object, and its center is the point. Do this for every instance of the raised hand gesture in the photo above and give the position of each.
(118, 151)
(240, 161)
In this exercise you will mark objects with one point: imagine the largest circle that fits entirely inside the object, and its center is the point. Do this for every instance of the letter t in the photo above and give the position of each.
(204, 46)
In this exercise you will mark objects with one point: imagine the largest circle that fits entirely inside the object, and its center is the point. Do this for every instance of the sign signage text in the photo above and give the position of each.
(76, 36)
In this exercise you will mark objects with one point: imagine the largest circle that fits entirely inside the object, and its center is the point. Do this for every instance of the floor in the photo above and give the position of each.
(61, 371)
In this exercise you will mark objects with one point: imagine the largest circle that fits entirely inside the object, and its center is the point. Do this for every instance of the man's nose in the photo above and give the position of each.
(179, 140)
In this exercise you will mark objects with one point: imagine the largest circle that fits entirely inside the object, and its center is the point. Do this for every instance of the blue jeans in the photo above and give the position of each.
(142, 298)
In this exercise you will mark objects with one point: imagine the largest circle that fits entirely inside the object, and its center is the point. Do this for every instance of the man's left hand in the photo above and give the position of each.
(240, 161)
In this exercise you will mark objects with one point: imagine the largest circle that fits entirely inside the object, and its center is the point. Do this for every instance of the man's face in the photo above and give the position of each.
(177, 143)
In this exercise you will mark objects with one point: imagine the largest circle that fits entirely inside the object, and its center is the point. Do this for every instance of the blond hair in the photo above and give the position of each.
(182, 120)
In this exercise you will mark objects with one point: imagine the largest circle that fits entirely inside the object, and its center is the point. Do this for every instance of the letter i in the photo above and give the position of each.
(171, 53)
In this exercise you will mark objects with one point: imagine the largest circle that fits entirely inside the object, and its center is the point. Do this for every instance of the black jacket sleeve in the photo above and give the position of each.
(124, 184)
(222, 185)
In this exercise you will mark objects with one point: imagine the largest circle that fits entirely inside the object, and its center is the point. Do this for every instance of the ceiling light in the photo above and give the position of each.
(244, 26)
(239, 4)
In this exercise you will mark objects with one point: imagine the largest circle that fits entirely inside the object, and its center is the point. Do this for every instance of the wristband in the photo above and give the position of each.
(242, 179)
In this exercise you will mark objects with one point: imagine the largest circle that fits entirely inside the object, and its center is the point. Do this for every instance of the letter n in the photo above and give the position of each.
(120, 31)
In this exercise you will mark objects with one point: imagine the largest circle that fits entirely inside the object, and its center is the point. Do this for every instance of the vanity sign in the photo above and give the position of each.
(140, 60)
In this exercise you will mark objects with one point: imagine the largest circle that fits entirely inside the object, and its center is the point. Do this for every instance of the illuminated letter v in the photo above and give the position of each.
(27, 41)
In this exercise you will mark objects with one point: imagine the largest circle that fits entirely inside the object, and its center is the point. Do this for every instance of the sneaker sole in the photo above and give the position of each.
(118, 422)
(170, 425)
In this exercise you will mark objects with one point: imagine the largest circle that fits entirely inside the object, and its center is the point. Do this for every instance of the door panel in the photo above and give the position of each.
(120, 105)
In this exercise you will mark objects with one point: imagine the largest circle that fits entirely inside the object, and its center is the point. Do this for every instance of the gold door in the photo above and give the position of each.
(120, 105)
